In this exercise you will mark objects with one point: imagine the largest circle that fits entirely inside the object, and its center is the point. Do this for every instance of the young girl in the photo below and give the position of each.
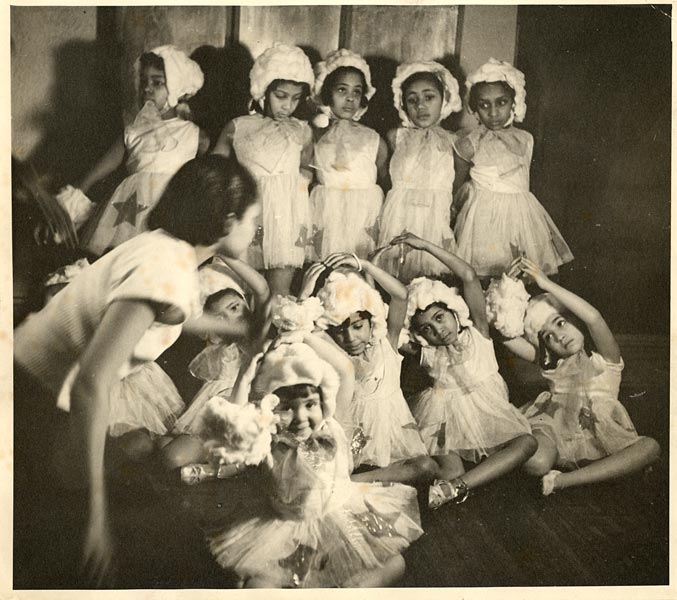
(466, 414)
(421, 168)
(219, 363)
(276, 147)
(124, 310)
(377, 420)
(499, 218)
(314, 527)
(348, 157)
(580, 425)
(155, 146)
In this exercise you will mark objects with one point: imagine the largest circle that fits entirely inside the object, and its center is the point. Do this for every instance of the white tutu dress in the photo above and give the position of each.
(317, 528)
(379, 424)
(217, 365)
(157, 149)
(581, 412)
(467, 410)
(499, 217)
(422, 172)
(347, 203)
(271, 150)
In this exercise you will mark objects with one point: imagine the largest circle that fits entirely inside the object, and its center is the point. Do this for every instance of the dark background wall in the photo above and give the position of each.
(599, 98)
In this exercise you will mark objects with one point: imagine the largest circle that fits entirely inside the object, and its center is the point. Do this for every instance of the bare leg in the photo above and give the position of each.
(633, 458)
(279, 280)
(137, 445)
(451, 466)
(183, 450)
(412, 471)
(511, 456)
(544, 459)
(386, 576)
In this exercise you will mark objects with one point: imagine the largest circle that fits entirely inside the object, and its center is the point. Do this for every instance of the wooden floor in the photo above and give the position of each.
(506, 534)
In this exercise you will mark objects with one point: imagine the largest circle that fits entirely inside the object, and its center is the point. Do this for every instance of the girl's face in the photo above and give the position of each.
(494, 105)
(230, 306)
(354, 336)
(241, 233)
(300, 416)
(283, 101)
(423, 103)
(346, 95)
(562, 337)
(436, 325)
(153, 87)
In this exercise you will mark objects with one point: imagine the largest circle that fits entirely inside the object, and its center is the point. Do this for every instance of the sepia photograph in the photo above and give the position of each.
(340, 296)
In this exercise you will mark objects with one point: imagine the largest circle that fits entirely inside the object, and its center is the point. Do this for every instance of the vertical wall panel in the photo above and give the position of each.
(144, 27)
(315, 28)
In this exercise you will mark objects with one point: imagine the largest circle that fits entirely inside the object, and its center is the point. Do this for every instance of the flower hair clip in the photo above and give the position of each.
(290, 314)
(506, 304)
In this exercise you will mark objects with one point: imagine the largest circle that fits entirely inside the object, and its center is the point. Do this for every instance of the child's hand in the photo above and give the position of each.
(515, 268)
(288, 337)
(373, 257)
(410, 239)
(342, 258)
(534, 271)
(310, 279)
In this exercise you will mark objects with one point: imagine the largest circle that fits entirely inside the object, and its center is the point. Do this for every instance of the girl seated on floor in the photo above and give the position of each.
(313, 527)
(580, 425)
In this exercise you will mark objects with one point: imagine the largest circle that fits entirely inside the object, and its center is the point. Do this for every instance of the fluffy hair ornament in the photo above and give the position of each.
(289, 314)
(334, 60)
(451, 102)
(495, 70)
(506, 304)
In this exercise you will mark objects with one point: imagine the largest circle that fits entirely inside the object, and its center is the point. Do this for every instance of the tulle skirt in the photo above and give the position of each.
(285, 222)
(345, 220)
(145, 399)
(125, 214)
(377, 522)
(599, 430)
(189, 422)
(493, 228)
(383, 431)
(425, 213)
(470, 423)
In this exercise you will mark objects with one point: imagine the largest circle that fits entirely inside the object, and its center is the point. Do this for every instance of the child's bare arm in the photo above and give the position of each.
(602, 336)
(252, 278)
(106, 165)
(382, 162)
(203, 143)
(224, 145)
(521, 348)
(472, 290)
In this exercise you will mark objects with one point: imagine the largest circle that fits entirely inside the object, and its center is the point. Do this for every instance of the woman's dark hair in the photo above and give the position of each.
(299, 390)
(421, 76)
(305, 93)
(150, 59)
(474, 90)
(197, 200)
(330, 83)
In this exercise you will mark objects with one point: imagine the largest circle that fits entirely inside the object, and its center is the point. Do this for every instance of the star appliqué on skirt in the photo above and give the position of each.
(128, 210)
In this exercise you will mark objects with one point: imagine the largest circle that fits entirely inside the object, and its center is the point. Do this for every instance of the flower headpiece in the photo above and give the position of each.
(451, 101)
(279, 62)
(495, 70)
(506, 302)
(293, 364)
(334, 60)
(422, 293)
(288, 314)
(539, 310)
(345, 294)
(183, 76)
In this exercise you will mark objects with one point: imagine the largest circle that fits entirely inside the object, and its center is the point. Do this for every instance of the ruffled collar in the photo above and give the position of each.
(508, 136)
(433, 137)
(320, 442)
(579, 365)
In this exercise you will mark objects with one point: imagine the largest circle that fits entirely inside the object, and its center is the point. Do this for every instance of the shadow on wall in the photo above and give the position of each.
(225, 92)
(81, 116)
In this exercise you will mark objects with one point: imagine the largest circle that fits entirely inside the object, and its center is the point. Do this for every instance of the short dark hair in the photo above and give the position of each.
(422, 76)
(330, 83)
(299, 390)
(474, 90)
(150, 59)
(305, 91)
(198, 198)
